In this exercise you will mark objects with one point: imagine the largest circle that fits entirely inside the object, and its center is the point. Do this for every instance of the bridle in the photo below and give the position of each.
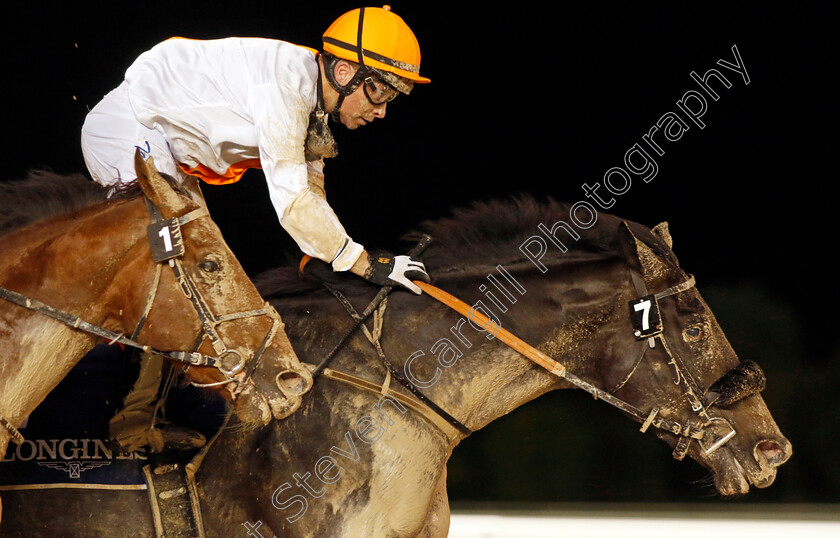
(167, 246)
(711, 432)
(171, 250)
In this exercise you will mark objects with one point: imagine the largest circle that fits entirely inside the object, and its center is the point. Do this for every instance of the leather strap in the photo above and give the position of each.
(17, 437)
(71, 320)
(558, 369)
(398, 375)
(504, 335)
(173, 496)
(362, 384)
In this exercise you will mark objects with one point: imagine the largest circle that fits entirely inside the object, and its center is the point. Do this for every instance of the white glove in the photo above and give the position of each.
(386, 269)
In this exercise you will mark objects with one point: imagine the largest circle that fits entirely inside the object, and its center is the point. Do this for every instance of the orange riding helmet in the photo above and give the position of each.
(380, 42)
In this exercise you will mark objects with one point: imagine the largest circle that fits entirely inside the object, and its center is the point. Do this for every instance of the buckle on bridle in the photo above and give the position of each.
(716, 433)
(237, 367)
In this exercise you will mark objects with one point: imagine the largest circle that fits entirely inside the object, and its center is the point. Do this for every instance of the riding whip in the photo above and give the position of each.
(416, 251)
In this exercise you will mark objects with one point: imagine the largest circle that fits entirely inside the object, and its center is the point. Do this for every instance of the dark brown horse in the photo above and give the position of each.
(363, 458)
(93, 265)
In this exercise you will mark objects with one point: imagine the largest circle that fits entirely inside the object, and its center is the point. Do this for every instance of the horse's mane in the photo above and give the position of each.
(485, 233)
(44, 194)
(491, 232)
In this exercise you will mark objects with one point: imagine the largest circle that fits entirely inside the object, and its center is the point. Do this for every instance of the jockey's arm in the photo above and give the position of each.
(297, 193)
(316, 229)
(316, 184)
(313, 224)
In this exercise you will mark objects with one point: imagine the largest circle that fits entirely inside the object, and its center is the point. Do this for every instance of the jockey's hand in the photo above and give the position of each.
(387, 269)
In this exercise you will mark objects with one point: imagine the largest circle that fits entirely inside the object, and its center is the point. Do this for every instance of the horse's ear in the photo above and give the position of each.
(193, 188)
(662, 232)
(640, 256)
(158, 190)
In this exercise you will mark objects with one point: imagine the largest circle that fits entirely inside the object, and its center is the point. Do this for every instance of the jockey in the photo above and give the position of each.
(213, 109)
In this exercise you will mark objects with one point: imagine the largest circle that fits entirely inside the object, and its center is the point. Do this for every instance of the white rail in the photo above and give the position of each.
(637, 526)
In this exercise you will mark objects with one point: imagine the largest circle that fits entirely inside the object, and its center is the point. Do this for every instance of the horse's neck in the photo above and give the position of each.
(565, 314)
(402, 471)
(71, 264)
(25, 383)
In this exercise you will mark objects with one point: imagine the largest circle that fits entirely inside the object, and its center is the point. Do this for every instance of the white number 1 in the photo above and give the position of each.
(167, 240)
(644, 305)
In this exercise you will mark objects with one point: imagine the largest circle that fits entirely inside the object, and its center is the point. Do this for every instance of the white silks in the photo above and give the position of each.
(315, 228)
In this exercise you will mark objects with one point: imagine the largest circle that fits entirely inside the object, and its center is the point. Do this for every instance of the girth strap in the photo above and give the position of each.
(412, 403)
(399, 375)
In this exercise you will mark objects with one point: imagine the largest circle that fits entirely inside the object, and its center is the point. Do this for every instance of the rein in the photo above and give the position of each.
(557, 369)
(192, 358)
(711, 433)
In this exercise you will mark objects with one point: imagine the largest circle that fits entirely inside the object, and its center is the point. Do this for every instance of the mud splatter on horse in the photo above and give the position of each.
(88, 271)
(363, 458)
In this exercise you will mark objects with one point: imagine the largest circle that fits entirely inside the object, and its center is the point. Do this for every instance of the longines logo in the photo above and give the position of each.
(74, 468)
(72, 456)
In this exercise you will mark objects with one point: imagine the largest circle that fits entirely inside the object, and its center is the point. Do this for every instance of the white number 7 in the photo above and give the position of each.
(645, 306)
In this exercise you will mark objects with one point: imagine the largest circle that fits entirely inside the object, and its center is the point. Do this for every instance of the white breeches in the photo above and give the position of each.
(110, 137)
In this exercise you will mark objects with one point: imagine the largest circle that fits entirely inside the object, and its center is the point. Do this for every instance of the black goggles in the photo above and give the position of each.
(378, 92)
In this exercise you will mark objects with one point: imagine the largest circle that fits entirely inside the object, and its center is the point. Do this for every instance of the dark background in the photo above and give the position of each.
(540, 100)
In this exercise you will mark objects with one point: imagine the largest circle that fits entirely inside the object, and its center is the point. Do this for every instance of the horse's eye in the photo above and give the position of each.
(208, 266)
(692, 334)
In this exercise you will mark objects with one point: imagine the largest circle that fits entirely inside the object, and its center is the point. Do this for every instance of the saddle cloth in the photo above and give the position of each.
(67, 435)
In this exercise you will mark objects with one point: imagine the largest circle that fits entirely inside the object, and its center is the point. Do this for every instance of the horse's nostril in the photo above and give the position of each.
(770, 449)
(773, 452)
(291, 380)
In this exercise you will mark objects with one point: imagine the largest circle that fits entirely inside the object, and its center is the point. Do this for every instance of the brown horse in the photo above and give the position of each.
(93, 265)
(362, 457)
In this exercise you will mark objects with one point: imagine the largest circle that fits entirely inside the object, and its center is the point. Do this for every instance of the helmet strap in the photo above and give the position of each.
(319, 139)
(330, 62)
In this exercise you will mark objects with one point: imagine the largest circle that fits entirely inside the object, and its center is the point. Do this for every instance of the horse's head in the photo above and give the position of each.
(207, 303)
(691, 379)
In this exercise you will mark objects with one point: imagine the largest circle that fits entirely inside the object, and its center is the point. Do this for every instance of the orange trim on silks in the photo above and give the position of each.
(303, 262)
(232, 174)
